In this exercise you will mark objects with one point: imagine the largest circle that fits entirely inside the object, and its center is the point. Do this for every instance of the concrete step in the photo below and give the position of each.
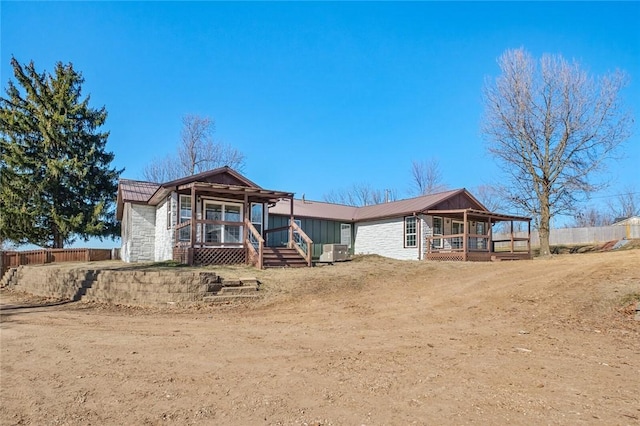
(246, 289)
(230, 298)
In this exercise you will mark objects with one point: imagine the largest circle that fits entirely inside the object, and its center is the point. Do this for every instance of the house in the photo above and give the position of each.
(215, 217)
(221, 217)
(450, 225)
(626, 221)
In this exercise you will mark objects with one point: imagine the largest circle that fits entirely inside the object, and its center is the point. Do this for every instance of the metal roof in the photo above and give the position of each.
(136, 191)
(314, 209)
(403, 207)
(322, 210)
(133, 191)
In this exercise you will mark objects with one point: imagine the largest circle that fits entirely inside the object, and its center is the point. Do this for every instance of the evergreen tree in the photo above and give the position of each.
(56, 182)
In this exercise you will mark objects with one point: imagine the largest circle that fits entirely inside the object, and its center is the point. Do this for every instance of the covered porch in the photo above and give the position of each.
(468, 235)
(222, 224)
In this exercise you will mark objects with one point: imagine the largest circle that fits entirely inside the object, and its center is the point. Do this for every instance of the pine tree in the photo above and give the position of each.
(56, 182)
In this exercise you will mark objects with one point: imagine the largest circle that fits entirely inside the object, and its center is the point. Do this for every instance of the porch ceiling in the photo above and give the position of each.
(472, 213)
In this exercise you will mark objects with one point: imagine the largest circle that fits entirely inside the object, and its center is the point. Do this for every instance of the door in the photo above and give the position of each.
(345, 234)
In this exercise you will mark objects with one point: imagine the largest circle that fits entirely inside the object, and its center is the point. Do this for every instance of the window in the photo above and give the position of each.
(256, 216)
(169, 211)
(222, 233)
(481, 228)
(457, 228)
(436, 243)
(185, 216)
(410, 231)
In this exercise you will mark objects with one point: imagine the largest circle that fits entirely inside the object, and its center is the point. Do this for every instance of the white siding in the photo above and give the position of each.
(163, 236)
(125, 233)
(138, 233)
(386, 238)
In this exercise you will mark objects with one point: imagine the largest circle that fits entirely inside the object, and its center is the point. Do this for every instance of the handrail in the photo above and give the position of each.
(252, 237)
(298, 245)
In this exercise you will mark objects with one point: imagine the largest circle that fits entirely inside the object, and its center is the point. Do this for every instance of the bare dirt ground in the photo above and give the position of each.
(372, 341)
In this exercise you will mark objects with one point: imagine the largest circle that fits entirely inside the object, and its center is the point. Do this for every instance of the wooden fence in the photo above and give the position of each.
(13, 259)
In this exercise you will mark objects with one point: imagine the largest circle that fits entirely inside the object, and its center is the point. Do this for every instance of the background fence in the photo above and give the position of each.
(13, 259)
(593, 235)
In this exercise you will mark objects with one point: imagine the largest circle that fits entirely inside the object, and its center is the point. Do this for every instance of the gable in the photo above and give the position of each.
(222, 175)
(461, 200)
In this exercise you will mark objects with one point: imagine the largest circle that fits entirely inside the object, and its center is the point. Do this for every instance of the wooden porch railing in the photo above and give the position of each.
(252, 239)
(301, 242)
(254, 243)
(475, 242)
(201, 239)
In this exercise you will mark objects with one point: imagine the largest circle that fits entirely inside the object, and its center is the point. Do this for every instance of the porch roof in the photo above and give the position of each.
(258, 192)
(459, 213)
(219, 188)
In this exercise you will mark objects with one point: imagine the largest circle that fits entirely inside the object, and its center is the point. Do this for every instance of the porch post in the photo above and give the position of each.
(511, 236)
(464, 236)
(193, 225)
(245, 232)
(490, 240)
(529, 238)
(290, 245)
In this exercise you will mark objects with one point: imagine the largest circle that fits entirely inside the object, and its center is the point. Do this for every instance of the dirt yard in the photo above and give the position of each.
(368, 342)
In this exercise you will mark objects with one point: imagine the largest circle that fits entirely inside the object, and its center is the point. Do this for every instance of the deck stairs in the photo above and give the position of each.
(281, 257)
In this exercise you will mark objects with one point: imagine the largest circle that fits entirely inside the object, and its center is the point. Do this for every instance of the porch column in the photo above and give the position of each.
(290, 245)
(193, 225)
(245, 232)
(490, 239)
(511, 236)
(529, 238)
(465, 237)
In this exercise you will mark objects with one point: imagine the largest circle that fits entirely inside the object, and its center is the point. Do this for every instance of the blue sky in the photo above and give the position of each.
(318, 96)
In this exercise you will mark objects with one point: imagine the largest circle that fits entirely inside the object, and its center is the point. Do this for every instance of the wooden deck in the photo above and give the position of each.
(476, 256)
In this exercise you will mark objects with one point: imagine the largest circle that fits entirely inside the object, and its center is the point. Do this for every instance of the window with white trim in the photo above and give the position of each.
(437, 228)
(230, 233)
(184, 215)
(168, 205)
(410, 231)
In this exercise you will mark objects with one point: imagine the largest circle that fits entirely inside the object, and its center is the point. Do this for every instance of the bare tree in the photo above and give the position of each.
(426, 177)
(360, 194)
(552, 127)
(590, 217)
(490, 196)
(197, 152)
(626, 205)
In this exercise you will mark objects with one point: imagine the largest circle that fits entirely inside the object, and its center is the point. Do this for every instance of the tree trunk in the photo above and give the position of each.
(58, 240)
(544, 227)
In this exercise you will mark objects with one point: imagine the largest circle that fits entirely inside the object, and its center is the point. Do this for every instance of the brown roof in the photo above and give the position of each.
(228, 175)
(404, 207)
(133, 191)
(457, 198)
(315, 209)
(136, 191)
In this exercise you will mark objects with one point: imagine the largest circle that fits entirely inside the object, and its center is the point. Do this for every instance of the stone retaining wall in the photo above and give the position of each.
(141, 288)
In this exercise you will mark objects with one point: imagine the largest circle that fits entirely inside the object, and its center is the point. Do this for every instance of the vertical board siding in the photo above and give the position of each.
(319, 230)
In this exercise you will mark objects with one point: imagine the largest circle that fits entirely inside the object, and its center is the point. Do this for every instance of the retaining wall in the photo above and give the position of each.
(138, 288)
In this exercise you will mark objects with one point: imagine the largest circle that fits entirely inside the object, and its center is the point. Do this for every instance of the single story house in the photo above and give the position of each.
(449, 225)
(221, 217)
